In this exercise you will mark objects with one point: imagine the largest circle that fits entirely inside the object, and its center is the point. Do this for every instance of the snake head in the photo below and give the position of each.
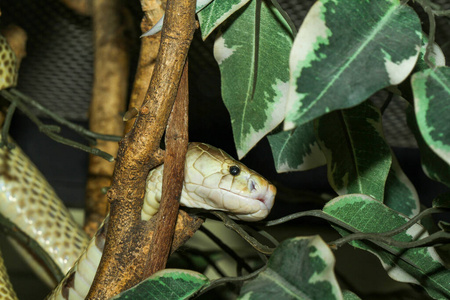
(216, 181)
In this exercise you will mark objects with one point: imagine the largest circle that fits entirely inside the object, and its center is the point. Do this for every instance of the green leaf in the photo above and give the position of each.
(400, 194)
(166, 284)
(216, 13)
(300, 268)
(336, 64)
(442, 201)
(431, 89)
(252, 53)
(348, 295)
(296, 150)
(358, 157)
(433, 166)
(418, 266)
(436, 56)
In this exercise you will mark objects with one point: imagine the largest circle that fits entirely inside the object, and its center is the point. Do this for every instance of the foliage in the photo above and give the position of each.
(322, 93)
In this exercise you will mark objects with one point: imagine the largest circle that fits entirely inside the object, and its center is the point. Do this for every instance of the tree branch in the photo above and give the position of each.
(109, 95)
(127, 247)
(173, 178)
(153, 11)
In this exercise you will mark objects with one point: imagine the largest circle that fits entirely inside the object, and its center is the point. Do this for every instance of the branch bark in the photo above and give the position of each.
(127, 247)
(173, 178)
(153, 11)
(108, 101)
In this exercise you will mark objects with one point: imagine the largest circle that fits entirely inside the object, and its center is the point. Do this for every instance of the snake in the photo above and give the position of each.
(213, 181)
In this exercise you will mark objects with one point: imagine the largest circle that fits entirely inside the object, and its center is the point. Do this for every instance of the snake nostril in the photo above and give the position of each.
(252, 185)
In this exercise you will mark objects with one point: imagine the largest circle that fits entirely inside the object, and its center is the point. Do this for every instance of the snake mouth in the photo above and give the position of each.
(263, 197)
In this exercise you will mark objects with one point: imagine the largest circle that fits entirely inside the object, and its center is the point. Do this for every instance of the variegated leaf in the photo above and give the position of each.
(400, 194)
(336, 64)
(358, 157)
(431, 89)
(254, 70)
(300, 268)
(216, 13)
(296, 150)
(420, 266)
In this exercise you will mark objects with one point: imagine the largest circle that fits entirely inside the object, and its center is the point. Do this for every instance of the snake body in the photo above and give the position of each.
(213, 180)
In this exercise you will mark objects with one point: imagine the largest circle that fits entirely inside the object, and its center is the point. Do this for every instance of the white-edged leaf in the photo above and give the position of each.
(358, 157)
(431, 89)
(337, 64)
(400, 194)
(436, 55)
(296, 149)
(420, 266)
(168, 284)
(433, 166)
(216, 13)
(252, 52)
(300, 268)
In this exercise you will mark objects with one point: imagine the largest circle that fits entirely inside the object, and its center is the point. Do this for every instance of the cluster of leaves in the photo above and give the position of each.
(309, 91)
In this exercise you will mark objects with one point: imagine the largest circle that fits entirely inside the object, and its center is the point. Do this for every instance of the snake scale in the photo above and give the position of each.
(213, 181)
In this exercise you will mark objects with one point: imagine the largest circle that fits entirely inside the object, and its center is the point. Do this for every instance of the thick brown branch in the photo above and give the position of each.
(153, 11)
(176, 147)
(109, 96)
(127, 243)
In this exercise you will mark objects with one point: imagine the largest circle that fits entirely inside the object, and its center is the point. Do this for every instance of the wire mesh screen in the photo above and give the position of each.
(57, 71)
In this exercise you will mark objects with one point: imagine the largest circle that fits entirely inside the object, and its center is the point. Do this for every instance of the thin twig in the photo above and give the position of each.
(227, 249)
(225, 280)
(414, 220)
(310, 213)
(6, 125)
(238, 229)
(204, 255)
(386, 102)
(437, 238)
(264, 234)
(52, 130)
(78, 129)
(426, 5)
(440, 13)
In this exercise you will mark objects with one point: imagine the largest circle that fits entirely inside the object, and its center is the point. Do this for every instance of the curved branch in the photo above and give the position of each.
(125, 258)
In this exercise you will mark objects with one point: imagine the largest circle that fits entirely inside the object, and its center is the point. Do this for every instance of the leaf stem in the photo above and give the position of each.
(227, 249)
(78, 129)
(6, 126)
(225, 280)
(50, 130)
(238, 229)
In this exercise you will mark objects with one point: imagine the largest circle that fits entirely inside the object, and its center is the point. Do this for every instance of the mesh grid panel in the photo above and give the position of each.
(57, 71)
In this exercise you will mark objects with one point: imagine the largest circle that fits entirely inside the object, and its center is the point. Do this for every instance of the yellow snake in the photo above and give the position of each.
(213, 181)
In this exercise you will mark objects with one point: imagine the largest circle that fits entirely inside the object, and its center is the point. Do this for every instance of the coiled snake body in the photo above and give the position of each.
(213, 180)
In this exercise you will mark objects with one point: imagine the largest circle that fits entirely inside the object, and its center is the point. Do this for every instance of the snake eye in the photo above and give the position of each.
(235, 170)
